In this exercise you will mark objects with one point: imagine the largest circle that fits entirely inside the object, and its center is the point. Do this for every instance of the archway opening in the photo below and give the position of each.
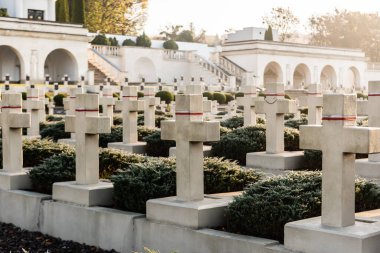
(301, 76)
(10, 64)
(328, 78)
(273, 73)
(144, 68)
(352, 78)
(59, 63)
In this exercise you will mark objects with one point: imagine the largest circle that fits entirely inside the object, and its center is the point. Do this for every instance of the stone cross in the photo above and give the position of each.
(150, 106)
(339, 140)
(274, 106)
(189, 131)
(314, 104)
(107, 101)
(69, 103)
(130, 108)
(373, 112)
(231, 108)
(12, 121)
(87, 125)
(34, 105)
(51, 108)
(248, 101)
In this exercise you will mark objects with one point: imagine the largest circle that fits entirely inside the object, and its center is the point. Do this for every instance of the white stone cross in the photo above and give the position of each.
(314, 104)
(231, 109)
(34, 105)
(12, 121)
(107, 101)
(69, 104)
(87, 125)
(274, 106)
(373, 112)
(339, 140)
(189, 131)
(248, 101)
(150, 106)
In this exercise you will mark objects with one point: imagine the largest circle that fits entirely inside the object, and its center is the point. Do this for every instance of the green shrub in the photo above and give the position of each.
(170, 44)
(143, 41)
(289, 116)
(236, 144)
(156, 179)
(58, 99)
(113, 42)
(362, 96)
(140, 94)
(239, 94)
(23, 96)
(143, 132)
(116, 135)
(233, 123)
(157, 147)
(3, 12)
(208, 95)
(54, 118)
(296, 123)
(268, 205)
(117, 120)
(313, 160)
(220, 98)
(166, 96)
(129, 43)
(54, 131)
(100, 39)
(229, 97)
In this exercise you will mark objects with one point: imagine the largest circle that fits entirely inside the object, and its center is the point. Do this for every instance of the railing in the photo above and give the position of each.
(231, 67)
(373, 66)
(110, 69)
(176, 55)
(220, 73)
(107, 50)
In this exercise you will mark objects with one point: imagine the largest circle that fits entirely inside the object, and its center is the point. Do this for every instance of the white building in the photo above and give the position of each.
(30, 9)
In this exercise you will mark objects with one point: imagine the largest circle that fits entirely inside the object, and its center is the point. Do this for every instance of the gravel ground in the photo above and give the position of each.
(15, 240)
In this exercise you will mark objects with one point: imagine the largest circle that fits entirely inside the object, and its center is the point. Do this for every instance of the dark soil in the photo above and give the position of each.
(17, 240)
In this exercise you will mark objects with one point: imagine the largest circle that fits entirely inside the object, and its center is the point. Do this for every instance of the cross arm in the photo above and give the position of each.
(363, 140)
(34, 105)
(136, 105)
(310, 137)
(168, 130)
(70, 124)
(260, 105)
(286, 106)
(98, 125)
(19, 120)
(107, 100)
(315, 101)
(204, 131)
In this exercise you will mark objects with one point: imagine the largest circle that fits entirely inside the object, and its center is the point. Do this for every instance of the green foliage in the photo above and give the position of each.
(287, 96)
(268, 34)
(220, 98)
(143, 132)
(236, 144)
(3, 12)
(129, 43)
(54, 131)
(117, 120)
(186, 36)
(143, 41)
(113, 42)
(157, 147)
(140, 94)
(313, 159)
(296, 123)
(156, 179)
(170, 44)
(52, 118)
(265, 207)
(116, 135)
(62, 11)
(78, 12)
(233, 123)
(100, 39)
(23, 96)
(239, 94)
(208, 95)
(58, 99)
(229, 97)
(361, 96)
(166, 96)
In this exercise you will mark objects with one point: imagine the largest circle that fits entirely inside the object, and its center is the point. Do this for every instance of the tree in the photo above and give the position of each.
(116, 16)
(170, 44)
(268, 34)
(77, 10)
(143, 41)
(186, 36)
(347, 29)
(171, 32)
(62, 11)
(177, 33)
(282, 20)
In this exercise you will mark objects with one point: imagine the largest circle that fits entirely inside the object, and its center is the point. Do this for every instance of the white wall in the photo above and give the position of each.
(19, 8)
(250, 33)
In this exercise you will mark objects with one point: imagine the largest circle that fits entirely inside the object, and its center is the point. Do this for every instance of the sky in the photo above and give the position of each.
(216, 16)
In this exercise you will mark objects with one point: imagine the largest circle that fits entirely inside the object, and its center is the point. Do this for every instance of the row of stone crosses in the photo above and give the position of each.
(338, 138)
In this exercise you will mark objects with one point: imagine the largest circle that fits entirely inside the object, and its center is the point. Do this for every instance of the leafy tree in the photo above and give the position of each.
(283, 20)
(143, 41)
(171, 32)
(347, 29)
(3, 12)
(115, 16)
(186, 36)
(268, 34)
(113, 41)
(177, 33)
(100, 39)
(62, 11)
(170, 44)
(77, 10)
(129, 42)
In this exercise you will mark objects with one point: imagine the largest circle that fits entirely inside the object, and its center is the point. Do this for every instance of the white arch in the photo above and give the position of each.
(12, 63)
(273, 73)
(328, 78)
(144, 68)
(352, 78)
(301, 76)
(61, 62)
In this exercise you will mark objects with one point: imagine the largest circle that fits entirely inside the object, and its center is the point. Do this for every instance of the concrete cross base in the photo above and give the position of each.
(88, 195)
(15, 180)
(135, 148)
(206, 213)
(367, 169)
(281, 161)
(310, 236)
(70, 142)
(206, 151)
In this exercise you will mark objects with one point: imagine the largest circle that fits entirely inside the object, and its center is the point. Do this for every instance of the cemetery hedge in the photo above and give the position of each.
(265, 207)
(208, 95)
(58, 99)
(157, 147)
(296, 123)
(220, 98)
(229, 97)
(156, 179)
(233, 123)
(54, 131)
(237, 143)
(129, 42)
(170, 44)
(166, 96)
(143, 41)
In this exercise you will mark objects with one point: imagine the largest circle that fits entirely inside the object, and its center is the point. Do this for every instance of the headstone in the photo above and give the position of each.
(12, 120)
(130, 107)
(248, 102)
(275, 106)
(7, 79)
(27, 80)
(66, 80)
(339, 140)
(189, 207)
(107, 101)
(33, 106)
(150, 103)
(47, 79)
(87, 125)
(314, 104)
